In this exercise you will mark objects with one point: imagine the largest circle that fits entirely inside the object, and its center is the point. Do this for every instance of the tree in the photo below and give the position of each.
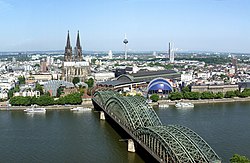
(245, 93)
(75, 80)
(154, 97)
(10, 93)
(207, 95)
(218, 95)
(20, 101)
(37, 65)
(17, 88)
(90, 82)
(21, 79)
(45, 100)
(239, 159)
(59, 92)
(72, 99)
(39, 88)
(192, 95)
(230, 94)
(175, 96)
(185, 89)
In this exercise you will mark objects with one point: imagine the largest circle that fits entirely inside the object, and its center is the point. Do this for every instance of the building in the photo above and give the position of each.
(74, 65)
(103, 76)
(43, 65)
(171, 54)
(110, 54)
(159, 86)
(139, 80)
(214, 88)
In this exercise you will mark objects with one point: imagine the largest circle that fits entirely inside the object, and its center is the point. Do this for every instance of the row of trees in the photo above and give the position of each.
(204, 95)
(207, 95)
(45, 100)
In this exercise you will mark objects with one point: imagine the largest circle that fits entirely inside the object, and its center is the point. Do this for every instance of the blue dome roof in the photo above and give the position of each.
(159, 84)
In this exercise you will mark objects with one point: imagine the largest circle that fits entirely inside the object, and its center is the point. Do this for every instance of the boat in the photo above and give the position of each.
(35, 109)
(184, 105)
(80, 109)
(163, 105)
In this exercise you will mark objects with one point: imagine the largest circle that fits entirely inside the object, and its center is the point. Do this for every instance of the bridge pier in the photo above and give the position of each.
(131, 145)
(102, 115)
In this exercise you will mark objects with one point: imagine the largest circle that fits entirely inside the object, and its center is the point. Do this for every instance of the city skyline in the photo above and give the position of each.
(210, 25)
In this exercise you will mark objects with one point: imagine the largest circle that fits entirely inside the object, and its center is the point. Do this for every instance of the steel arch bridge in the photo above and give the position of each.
(166, 143)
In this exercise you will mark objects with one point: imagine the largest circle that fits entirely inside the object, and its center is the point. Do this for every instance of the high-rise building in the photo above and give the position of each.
(171, 53)
(110, 54)
(234, 63)
(74, 66)
(43, 65)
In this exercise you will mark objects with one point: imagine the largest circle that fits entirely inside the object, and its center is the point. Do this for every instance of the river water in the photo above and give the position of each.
(64, 136)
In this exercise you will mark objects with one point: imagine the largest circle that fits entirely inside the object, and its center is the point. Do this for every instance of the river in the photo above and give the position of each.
(63, 136)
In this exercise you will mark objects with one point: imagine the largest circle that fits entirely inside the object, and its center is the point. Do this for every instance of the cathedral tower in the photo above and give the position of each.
(68, 50)
(78, 49)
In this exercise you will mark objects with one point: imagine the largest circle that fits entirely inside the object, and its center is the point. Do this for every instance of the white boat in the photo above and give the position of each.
(163, 105)
(34, 109)
(80, 109)
(184, 105)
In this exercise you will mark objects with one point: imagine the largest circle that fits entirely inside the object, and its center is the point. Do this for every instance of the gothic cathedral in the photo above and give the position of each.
(74, 65)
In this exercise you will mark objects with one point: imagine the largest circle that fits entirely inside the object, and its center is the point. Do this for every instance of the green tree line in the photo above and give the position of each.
(45, 100)
(208, 95)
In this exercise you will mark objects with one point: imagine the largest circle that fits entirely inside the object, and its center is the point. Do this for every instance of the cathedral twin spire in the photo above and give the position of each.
(68, 57)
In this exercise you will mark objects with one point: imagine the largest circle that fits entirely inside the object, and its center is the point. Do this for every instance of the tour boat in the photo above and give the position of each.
(80, 109)
(34, 109)
(184, 105)
(163, 105)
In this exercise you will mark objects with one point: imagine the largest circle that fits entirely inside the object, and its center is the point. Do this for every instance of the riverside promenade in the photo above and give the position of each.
(85, 104)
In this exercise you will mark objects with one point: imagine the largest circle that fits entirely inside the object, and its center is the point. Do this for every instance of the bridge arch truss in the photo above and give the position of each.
(175, 143)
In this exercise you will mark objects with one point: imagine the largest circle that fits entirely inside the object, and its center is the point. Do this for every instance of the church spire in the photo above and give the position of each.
(78, 49)
(78, 45)
(68, 50)
(68, 41)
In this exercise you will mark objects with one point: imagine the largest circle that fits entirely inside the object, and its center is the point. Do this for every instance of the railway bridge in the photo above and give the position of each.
(165, 143)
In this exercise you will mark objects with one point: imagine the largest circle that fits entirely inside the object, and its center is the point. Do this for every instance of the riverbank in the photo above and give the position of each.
(52, 107)
(88, 103)
(202, 101)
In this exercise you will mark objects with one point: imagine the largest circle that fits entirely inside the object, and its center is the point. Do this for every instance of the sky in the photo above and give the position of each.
(191, 25)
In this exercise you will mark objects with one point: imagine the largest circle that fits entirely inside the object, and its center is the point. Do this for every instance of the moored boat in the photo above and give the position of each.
(163, 105)
(80, 109)
(184, 105)
(35, 109)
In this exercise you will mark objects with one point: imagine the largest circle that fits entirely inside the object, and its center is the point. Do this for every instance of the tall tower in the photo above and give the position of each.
(171, 53)
(78, 49)
(234, 63)
(110, 54)
(68, 50)
(125, 41)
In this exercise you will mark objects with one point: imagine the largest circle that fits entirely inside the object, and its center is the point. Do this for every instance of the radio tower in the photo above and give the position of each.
(125, 41)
